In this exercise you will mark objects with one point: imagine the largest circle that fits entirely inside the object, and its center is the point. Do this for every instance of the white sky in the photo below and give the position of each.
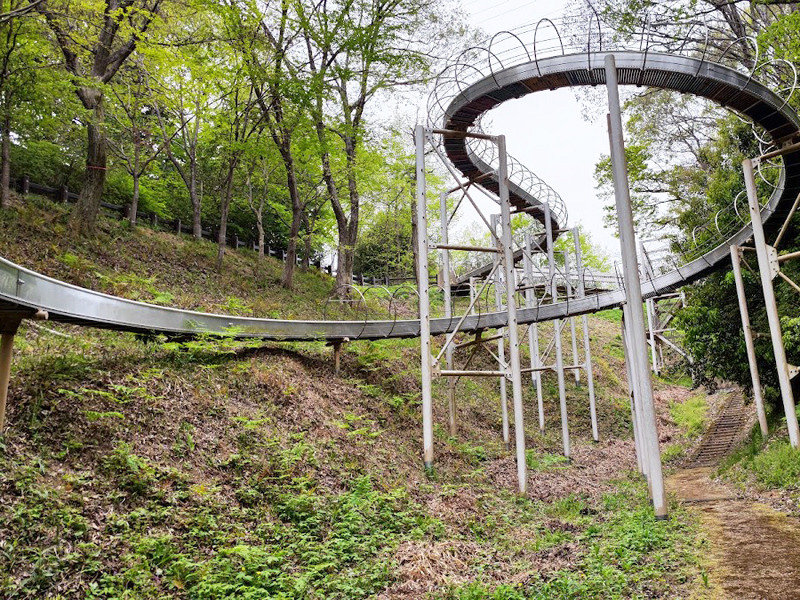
(546, 131)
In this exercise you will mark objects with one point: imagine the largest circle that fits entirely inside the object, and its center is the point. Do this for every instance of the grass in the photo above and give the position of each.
(624, 554)
(614, 315)
(213, 468)
(544, 461)
(690, 415)
(770, 464)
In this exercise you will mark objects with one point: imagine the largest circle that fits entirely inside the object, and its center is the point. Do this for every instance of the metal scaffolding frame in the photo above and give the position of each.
(660, 310)
(502, 270)
(769, 267)
(507, 282)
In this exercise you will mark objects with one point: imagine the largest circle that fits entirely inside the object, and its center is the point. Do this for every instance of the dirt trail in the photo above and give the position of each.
(753, 550)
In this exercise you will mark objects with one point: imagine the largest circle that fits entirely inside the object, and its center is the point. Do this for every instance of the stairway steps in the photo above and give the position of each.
(720, 437)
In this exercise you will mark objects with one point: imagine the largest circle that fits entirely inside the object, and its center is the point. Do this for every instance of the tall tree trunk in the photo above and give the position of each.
(258, 211)
(294, 230)
(260, 225)
(134, 201)
(225, 205)
(344, 266)
(5, 168)
(197, 225)
(84, 217)
(348, 228)
(136, 174)
(306, 253)
(222, 237)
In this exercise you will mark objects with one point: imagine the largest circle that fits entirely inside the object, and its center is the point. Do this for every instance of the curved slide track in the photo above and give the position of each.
(24, 292)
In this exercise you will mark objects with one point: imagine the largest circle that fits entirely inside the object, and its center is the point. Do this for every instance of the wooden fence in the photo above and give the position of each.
(62, 195)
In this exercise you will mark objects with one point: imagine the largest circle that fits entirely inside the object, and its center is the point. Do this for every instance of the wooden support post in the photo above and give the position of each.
(8, 329)
(26, 185)
(337, 354)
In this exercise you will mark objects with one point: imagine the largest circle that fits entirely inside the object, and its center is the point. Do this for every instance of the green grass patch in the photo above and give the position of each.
(690, 415)
(543, 461)
(613, 314)
(624, 553)
(673, 452)
(773, 464)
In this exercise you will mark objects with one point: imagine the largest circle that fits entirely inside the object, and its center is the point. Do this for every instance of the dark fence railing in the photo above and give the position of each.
(62, 195)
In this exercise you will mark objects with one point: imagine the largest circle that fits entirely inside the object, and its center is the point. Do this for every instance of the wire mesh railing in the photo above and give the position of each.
(590, 33)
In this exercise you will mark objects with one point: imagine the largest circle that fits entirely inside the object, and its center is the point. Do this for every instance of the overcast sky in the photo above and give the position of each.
(546, 131)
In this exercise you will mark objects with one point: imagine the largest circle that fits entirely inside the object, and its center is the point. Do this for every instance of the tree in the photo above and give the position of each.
(593, 256)
(10, 29)
(135, 118)
(258, 207)
(238, 128)
(357, 50)
(264, 38)
(386, 245)
(181, 102)
(96, 37)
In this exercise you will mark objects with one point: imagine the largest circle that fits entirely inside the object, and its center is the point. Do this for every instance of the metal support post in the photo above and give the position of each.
(424, 302)
(472, 294)
(652, 319)
(587, 352)
(448, 312)
(748, 340)
(568, 286)
(533, 332)
(501, 342)
(633, 289)
(766, 272)
(641, 462)
(511, 307)
(562, 393)
(8, 330)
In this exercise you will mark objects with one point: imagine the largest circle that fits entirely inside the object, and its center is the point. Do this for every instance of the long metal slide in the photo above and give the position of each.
(24, 292)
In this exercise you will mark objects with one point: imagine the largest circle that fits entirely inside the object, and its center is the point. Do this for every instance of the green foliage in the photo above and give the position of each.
(673, 452)
(625, 554)
(690, 415)
(133, 473)
(778, 466)
(323, 546)
(770, 464)
(93, 416)
(542, 461)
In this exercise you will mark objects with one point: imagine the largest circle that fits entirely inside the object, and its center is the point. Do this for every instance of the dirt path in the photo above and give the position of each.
(753, 550)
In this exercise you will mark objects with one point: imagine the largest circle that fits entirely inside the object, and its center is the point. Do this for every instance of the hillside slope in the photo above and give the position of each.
(210, 468)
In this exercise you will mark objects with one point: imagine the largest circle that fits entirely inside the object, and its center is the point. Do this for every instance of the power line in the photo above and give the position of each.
(483, 10)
